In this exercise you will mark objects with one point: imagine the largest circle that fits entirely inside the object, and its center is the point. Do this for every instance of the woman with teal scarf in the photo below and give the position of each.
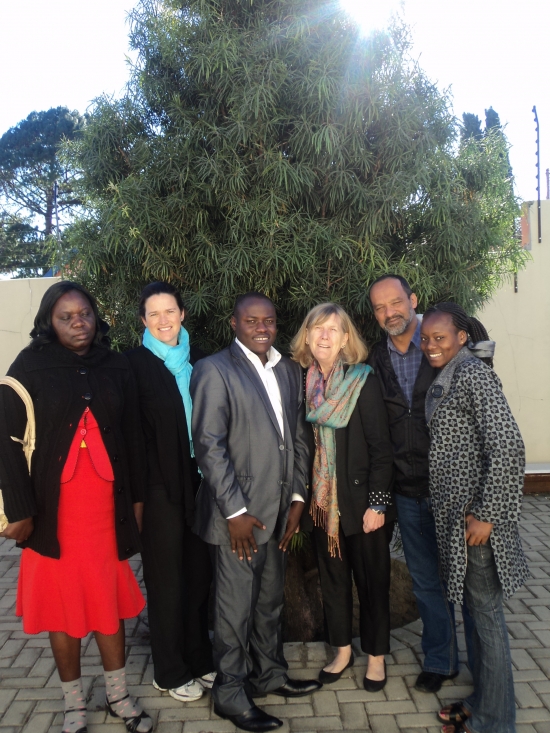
(351, 511)
(176, 563)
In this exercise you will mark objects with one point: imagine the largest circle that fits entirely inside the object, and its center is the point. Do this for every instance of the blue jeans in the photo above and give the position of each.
(417, 526)
(492, 703)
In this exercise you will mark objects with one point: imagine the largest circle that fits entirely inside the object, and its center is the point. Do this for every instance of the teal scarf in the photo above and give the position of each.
(329, 407)
(176, 360)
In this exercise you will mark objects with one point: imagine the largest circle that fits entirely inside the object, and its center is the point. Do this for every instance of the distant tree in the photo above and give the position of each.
(267, 146)
(23, 250)
(492, 120)
(471, 127)
(29, 168)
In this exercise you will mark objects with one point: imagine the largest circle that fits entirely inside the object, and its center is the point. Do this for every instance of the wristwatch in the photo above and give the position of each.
(378, 509)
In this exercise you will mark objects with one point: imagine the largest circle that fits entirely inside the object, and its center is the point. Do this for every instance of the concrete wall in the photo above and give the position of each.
(519, 322)
(19, 301)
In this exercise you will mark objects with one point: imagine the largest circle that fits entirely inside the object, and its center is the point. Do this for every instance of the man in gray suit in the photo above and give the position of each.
(250, 441)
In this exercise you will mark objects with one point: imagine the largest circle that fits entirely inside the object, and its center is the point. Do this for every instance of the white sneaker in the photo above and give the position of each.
(186, 693)
(207, 680)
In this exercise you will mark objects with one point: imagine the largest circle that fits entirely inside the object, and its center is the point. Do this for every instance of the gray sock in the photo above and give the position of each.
(75, 706)
(121, 702)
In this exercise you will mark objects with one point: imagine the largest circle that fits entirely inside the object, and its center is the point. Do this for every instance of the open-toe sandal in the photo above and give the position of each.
(457, 714)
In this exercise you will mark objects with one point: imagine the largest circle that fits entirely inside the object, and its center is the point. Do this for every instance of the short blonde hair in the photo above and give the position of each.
(354, 352)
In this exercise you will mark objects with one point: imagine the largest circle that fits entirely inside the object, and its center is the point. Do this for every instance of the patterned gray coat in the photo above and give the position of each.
(477, 464)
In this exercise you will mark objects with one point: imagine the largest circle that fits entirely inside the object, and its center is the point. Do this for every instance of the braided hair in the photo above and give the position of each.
(463, 322)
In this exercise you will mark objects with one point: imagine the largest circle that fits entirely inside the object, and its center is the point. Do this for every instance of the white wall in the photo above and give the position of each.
(19, 301)
(520, 325)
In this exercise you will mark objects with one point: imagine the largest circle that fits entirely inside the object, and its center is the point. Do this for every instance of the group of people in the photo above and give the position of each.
(208, 465)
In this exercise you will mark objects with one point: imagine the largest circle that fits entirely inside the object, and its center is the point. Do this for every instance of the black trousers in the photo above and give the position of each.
(178, 573)
(367, 558)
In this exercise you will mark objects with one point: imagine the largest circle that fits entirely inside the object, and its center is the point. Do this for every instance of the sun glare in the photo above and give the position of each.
(370, 16)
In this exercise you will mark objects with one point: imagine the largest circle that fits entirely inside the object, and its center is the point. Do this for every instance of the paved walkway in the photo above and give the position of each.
(31, 701)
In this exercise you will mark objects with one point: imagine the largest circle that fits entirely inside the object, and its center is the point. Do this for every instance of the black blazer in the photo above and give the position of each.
(364, 461)
(164, 425)
(61, 385)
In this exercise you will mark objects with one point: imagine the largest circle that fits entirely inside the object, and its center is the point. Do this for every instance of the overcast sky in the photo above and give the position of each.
(66, 52)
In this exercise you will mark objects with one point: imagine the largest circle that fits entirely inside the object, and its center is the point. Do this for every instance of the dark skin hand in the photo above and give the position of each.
(242, 536)
(19, 531)
(477, 533)
(292, 523)
(138, 514)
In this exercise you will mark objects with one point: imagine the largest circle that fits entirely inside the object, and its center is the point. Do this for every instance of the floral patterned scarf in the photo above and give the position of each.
(329, 407)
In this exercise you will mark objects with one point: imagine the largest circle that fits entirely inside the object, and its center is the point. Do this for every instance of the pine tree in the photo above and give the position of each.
(264, 145)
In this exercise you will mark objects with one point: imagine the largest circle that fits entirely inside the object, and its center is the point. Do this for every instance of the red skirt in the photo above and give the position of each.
(88, 588)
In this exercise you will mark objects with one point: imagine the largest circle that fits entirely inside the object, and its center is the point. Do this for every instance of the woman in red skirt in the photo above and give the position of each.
(77, 515)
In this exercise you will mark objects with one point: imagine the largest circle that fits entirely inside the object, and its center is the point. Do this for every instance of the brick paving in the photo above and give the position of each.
(31, 700)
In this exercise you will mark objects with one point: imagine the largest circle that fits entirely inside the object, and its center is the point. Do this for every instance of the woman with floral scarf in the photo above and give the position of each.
(351, 507)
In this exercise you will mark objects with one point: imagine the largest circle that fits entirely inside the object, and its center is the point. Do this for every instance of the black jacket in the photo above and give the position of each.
(61, 385)
(164, 425)
(409, 432)
(364, 461)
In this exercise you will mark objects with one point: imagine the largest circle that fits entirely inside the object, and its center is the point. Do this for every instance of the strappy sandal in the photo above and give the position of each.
(456, 713)
(130, 723)
(454, 728)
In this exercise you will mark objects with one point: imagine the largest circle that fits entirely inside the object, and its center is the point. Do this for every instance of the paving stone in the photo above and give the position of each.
(359, 696)
(533, 715)
(172, 727)
(396, 689)
(184, 712)
(6, 697)
(425, 701)
(383, 724)
(526, 697)
(325, 703)
(392, 707)
(316, 651)
(39, 723)
(353, 716)
(529, 675)
(327, 724)
(523, 660)
(290, 711)
(18, 712)
(213, 726)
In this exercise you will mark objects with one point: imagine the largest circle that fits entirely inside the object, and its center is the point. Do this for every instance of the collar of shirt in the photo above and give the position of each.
(415, 341)
(273, 356)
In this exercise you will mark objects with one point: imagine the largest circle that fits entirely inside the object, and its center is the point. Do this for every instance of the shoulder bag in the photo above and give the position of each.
(29, 439)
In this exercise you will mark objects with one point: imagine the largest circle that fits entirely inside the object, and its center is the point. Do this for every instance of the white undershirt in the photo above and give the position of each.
(269, 380)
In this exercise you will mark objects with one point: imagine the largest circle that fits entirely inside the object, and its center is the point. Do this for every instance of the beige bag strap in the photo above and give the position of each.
(29, 439)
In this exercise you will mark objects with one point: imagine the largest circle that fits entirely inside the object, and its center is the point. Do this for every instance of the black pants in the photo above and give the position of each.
(178, 572)
(367, 557)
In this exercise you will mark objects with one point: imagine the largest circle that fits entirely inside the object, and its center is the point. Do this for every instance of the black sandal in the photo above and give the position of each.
(457, 716)
(130, 723)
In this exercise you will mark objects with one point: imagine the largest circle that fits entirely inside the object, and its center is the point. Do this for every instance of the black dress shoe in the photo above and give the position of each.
(375, 685)
(431, 681)
(297, 688)
(254, 720)
(327, 677)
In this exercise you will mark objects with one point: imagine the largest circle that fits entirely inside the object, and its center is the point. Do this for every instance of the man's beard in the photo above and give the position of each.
(401, 326)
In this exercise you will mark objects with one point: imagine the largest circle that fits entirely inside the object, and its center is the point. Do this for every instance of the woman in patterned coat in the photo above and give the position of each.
(477, 462)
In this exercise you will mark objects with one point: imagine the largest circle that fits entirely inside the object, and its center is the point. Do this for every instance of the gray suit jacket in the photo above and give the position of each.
(243, 457)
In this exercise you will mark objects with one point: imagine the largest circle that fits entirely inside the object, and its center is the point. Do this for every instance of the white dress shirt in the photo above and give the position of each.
(269, 380)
